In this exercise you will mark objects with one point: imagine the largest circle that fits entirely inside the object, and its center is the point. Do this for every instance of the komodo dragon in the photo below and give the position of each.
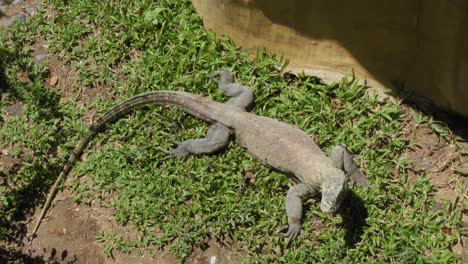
(278, 144)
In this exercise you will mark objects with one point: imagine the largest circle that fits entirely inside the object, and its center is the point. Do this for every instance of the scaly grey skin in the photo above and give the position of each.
(218, 135)
(278, 144)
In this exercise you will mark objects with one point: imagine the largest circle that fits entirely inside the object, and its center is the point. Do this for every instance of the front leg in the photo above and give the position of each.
(217, 138)
(344, 161)
(294, 199)
(242, 96)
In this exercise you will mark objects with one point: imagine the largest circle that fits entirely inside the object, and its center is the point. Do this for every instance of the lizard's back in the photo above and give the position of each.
(281, 146)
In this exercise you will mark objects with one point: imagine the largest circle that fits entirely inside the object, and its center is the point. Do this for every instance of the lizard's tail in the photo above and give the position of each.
(197, 106)
(66, 169)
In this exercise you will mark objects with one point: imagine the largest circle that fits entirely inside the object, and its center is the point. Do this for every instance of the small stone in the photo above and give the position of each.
(14, 109)
(7, 23)
(20, 18)
(30, 10)
(63, 101)
(53, 80)
(213, 260)
(17, 2)
(40, 57)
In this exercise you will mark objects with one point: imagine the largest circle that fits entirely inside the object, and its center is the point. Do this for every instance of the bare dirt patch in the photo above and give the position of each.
(69, 234)
(445, 165)
(440, 160)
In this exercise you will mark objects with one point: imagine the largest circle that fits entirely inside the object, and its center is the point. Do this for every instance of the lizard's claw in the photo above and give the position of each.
(180, 152)
(359, 179)
(175, 142)
(291, 232)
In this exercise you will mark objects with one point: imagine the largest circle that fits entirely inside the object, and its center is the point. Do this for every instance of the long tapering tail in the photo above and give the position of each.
(197, 106)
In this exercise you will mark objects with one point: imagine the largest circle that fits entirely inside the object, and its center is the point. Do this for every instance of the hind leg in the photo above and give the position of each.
(242, 96)
(217, 138)
(344, 161)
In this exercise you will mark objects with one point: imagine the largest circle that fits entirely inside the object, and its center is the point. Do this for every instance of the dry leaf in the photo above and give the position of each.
(23, 77)
(447, 231)
(63, 100)
(249, 177)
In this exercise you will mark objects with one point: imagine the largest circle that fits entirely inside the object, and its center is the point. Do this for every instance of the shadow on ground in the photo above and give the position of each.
(4, 56)
(19, 200)
(9, 256)
(354, 214)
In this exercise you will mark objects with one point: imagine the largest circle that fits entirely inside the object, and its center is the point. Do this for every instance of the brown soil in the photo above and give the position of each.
(445, 165)
(68, 235)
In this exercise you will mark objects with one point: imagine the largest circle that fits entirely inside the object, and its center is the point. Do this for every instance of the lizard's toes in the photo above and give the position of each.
(175, 142)
(164, 150)
(284, 231)
(292, 232)
(179, 153)
(293, 237)
(359, 179)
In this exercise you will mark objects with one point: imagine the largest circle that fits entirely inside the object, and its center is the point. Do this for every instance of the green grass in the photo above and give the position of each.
(137, 46)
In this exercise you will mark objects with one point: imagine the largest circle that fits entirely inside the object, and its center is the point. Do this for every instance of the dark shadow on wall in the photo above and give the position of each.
(392, 33)
(410, 46)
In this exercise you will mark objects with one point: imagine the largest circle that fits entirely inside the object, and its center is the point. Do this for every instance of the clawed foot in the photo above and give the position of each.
(180, 152)
(359, 179)
(291, 232)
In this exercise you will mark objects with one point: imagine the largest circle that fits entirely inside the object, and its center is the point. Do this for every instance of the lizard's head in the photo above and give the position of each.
(333, 190)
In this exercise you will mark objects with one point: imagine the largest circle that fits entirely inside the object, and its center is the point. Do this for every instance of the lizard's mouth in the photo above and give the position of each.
(329, 209)
(331, 205)
(333, 190)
